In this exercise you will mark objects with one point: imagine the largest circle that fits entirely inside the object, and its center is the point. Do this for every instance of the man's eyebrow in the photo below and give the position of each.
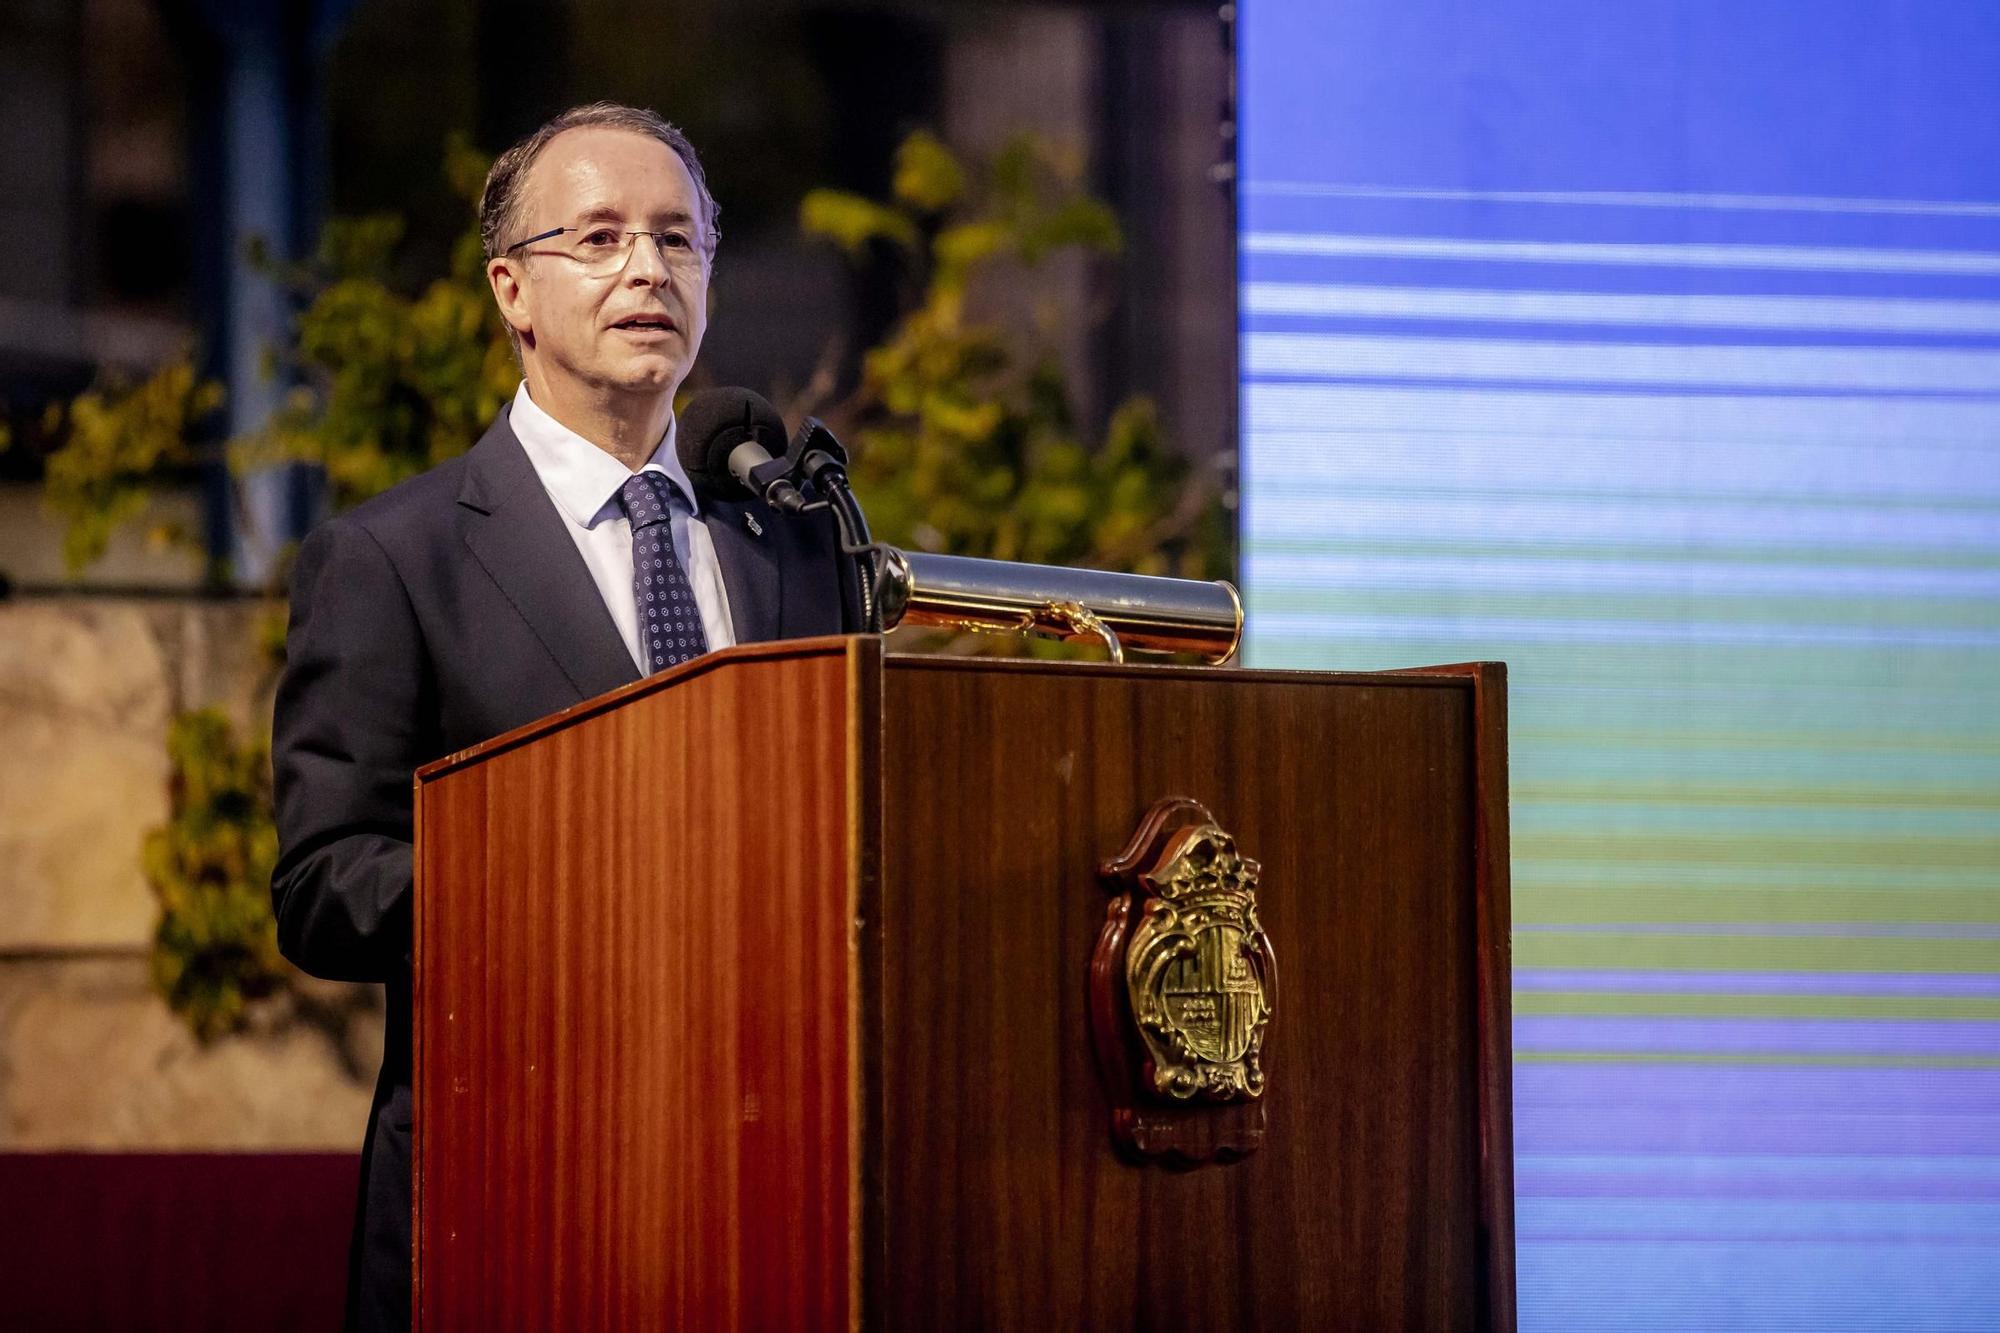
(605, 213)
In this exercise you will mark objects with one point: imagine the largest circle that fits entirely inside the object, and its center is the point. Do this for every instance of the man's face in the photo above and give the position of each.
(635, 329)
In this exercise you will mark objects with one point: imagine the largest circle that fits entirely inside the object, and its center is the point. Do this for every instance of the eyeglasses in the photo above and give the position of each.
(601, 250)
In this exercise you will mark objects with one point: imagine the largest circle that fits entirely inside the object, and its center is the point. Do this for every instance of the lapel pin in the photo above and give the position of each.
(756, 528)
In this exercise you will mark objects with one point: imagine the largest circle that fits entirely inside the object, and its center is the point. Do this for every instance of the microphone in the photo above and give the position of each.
(732, 442)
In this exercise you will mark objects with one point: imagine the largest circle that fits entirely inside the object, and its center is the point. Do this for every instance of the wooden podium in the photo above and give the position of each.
(758, 995)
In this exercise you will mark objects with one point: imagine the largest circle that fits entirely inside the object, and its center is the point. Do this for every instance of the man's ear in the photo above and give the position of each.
(503, 275)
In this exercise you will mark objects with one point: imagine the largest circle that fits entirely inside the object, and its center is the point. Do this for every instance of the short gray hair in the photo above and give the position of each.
(500, 201)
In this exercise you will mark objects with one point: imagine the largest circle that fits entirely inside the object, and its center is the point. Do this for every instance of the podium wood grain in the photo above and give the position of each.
(634, 985)
(753, 995)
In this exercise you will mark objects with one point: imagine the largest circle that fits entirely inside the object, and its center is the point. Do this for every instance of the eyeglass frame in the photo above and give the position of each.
(693, 247)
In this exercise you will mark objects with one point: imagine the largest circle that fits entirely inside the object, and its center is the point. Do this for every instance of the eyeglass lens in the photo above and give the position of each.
(606, 250)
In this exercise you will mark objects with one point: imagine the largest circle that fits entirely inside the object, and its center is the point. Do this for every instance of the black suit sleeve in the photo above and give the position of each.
(355, 716)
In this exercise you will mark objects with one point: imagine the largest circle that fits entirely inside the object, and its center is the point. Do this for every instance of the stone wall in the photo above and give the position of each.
(90, 1057)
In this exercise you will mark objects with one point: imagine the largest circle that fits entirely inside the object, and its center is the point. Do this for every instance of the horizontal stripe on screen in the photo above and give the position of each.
(1737, 953)
(1822, 1172)
(1757, 1036)
(1758, 203)
(1545, 436)
(1659, 900)
(1658, 310)
(1848, 369)
(1522, 572)
(1757, 983)
(1570, 630)
(1832, 259)
(1805, 1129)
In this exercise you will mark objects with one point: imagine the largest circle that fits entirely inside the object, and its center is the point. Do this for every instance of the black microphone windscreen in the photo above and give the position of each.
(715, 421)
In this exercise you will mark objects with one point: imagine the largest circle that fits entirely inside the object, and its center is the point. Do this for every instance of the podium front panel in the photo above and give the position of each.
(1002, 1202)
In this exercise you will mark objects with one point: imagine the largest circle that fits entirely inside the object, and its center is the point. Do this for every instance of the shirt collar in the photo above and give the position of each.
(581, 478)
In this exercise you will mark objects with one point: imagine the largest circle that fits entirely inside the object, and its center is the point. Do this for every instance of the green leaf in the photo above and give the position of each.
(1080, 222)
(928, 177)
(851, 221)
(964, 245)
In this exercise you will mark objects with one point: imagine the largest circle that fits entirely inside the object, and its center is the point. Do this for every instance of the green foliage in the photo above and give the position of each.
(967, 443)
(216, 947)
(928, 178)
(853, 222)
(119, 442)
(389, 383)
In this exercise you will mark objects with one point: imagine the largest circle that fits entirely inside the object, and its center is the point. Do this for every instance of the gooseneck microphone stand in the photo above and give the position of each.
(822, 460)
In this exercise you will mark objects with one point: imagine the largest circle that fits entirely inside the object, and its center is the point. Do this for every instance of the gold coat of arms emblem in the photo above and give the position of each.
(1183, 985)
(1199, 972)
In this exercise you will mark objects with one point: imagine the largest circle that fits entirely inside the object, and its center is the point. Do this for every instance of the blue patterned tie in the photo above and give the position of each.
(669, 620)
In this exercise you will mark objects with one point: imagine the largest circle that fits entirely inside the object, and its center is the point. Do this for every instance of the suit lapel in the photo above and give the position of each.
(749, 560)
(515, 532)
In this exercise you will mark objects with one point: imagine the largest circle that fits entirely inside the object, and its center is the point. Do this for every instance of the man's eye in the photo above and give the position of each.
(674, 240)
(601, 238)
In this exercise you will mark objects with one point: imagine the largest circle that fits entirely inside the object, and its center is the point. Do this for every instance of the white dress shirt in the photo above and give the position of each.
(584, 481)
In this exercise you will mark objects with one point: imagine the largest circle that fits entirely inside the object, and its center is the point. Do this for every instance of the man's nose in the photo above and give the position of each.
(645, 265)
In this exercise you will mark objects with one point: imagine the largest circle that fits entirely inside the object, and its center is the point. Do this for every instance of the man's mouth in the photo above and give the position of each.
(646, 324)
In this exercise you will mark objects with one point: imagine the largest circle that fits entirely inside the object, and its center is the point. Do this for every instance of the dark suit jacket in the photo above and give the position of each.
(443, 612)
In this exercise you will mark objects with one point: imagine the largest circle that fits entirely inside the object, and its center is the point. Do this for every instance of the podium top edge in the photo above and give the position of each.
(869, 650)
(831, 645)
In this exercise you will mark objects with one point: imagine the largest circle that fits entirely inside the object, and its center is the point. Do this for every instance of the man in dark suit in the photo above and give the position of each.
(565, 554)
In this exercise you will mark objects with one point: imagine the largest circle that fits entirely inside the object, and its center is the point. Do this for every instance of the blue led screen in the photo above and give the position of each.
(1654, 348)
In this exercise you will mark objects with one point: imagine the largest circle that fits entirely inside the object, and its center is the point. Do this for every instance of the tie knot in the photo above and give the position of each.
(647, 497)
